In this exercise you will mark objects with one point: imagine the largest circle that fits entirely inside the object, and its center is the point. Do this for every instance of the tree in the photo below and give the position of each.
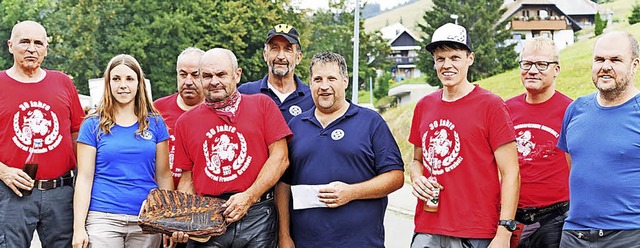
(85, 34)
(635, 14)
(332, 30)
(480, 18)
(600, 24)
(382, 84)
(14, 11)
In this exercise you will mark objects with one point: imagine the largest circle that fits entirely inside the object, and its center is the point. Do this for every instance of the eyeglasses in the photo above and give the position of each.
(540, 65)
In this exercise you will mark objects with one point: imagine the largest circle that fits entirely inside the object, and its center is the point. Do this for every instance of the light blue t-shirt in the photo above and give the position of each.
(125, 164)
(604, 182)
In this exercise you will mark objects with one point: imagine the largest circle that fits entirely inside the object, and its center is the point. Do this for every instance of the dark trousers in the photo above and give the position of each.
(600, 238)
(546, 235)
(257, 229)
(48, 211)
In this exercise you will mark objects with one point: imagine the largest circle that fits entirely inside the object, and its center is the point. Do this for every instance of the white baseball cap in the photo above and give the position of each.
(449, 33)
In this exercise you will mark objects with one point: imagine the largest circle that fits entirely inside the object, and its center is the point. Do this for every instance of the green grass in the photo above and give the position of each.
(419, 80)
(410, 15)
(363, 97)
(575, 73)
(574, 81)
(621, 9)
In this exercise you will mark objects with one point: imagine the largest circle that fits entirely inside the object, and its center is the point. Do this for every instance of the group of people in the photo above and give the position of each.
(537, 170)
(301, 166)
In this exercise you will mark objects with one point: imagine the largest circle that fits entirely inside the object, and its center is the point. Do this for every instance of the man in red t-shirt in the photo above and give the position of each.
(41, 113)
(463, 137)
(189, 95)
(234, 147)
(537, 116)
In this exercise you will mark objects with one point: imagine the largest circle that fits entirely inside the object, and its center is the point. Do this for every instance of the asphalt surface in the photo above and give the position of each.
(398, 221)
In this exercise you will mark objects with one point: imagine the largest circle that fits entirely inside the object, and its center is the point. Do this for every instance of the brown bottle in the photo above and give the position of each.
(31, 165)
(432, 205)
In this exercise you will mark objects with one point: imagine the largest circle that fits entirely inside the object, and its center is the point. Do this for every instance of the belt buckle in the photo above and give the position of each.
(39, 185)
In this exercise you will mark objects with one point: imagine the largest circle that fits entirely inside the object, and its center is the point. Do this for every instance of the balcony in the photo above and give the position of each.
(403, 60)
(538, 23)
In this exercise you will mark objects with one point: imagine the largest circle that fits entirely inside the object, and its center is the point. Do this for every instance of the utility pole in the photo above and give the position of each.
(356, 50)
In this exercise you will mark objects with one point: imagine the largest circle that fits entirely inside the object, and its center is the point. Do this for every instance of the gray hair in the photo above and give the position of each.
(329, 57)
(189, 51)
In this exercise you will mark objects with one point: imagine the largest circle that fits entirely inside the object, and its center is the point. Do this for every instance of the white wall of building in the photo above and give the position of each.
(563, 38)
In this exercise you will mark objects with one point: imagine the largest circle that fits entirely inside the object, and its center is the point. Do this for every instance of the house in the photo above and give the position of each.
(582, 11)
(404, 51)
(532, 18)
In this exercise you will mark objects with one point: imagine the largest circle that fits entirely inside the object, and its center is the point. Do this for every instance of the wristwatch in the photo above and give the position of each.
(509, 224)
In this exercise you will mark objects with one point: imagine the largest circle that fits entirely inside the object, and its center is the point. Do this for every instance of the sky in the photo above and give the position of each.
(314, 4)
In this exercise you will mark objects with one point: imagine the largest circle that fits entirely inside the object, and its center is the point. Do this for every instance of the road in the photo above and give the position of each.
(398, 230)
(398, 221)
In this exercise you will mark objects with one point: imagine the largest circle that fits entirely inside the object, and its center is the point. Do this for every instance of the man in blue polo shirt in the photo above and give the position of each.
(282, 52)
(343, 164)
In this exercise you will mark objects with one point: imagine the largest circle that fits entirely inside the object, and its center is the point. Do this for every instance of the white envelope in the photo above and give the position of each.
(306, 196)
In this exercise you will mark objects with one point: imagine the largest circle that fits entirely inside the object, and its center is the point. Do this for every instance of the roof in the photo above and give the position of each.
(577, 7)
(568, 7)
(394, 31)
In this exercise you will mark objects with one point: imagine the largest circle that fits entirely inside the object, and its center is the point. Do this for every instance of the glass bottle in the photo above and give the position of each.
(432, 205)
(31, 164)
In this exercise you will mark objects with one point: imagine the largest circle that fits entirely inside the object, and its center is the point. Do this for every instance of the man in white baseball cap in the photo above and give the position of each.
(461, 134)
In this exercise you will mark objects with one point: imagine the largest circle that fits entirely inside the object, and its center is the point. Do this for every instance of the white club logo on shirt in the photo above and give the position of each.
(295, 110)
(225, 152)
(146, 134)
(441, 147)
(35, 121)
(337, 134)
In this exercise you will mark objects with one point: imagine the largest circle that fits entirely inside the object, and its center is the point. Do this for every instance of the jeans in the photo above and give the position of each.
(48, 211)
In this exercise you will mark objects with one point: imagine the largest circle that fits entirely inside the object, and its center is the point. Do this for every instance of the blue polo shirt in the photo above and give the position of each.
(354, 148)
(296, 103)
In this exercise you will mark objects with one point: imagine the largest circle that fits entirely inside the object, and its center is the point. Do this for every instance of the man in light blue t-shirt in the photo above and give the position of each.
(601, 135)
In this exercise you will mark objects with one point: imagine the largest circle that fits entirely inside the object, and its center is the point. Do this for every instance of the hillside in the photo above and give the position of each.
(411, 15)
(574, 81)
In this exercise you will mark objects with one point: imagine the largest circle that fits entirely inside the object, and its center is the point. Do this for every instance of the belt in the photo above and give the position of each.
(529, 216)
(264, 197)
(592, 235)
(66, 179)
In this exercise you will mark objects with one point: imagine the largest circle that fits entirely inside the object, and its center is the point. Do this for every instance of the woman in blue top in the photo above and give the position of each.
(122, 155)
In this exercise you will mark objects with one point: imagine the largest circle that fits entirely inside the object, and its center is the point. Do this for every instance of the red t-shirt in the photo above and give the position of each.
(544, 173)
(170, 111)
(458, 139)
(48, 111)
(227, 157)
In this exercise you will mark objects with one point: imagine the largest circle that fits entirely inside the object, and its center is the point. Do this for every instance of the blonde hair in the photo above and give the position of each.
(143, 104)
(541, 43)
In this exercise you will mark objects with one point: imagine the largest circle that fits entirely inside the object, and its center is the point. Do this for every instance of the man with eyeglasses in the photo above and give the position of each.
(544, 174)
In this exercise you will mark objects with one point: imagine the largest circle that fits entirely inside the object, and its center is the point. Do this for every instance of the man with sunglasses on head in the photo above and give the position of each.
(537, 115)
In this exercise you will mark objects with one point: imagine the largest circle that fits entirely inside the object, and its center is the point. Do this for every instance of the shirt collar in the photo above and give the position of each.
(301, 88)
